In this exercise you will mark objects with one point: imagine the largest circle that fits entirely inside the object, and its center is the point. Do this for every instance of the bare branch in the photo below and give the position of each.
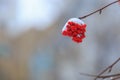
(109, 68)
(99, 10)
(103, 77)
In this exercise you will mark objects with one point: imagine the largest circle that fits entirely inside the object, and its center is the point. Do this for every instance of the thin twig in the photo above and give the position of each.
(99, 10)
(108, 68)
(116, 78)
(104, 76)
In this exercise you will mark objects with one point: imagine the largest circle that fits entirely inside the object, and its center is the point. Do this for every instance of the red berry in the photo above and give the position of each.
(64, 33)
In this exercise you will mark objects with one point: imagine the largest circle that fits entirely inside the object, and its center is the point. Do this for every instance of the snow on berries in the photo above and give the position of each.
(75, 29)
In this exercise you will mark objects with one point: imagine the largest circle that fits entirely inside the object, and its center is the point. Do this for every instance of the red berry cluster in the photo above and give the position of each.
(75, 31)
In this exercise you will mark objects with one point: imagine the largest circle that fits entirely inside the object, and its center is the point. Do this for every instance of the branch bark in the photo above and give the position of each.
(99, 10)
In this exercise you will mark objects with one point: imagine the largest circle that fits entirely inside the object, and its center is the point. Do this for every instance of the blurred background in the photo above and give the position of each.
(32, 47)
